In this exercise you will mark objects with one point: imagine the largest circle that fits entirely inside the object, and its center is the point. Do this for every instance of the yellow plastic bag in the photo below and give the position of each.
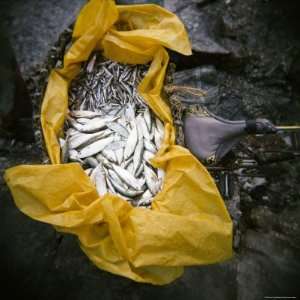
(188, 223)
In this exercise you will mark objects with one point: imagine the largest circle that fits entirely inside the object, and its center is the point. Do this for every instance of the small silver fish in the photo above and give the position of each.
(64, 149)
(138, 155)
(91, 64)
(109, 154)
(149, 146)
(92, 126)
(159, 125)
(139, 171)
(116, 179)
(91, 161)
(147, 118)
(74, 156)
(144, 127)
(100, 180)
(85, 114)
(120, 155)
(126, 191)
(148, 155)
(110, 185)
(116, 145)
(82, 120)
(94, 148)
(129, 168)
(118, 128)
(113, 130)
(102, 159)
(84, 139)
(158, 138)
(151, 180)
(131, 142)
(127, 177)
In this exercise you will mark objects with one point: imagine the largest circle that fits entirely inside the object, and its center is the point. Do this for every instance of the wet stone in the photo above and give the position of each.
(36, 26)
(202, 2)
(268, 266)
(203, 29)
(158, 2)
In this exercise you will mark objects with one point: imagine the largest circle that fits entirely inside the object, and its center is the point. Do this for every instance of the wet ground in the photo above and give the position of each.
(247, 56)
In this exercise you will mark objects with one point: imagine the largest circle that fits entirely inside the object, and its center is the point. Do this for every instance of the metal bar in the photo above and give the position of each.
(288, 128)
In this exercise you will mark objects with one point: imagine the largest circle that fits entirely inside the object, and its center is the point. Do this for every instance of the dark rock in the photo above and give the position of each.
(159, 2)
(201, 27)
(267, 267)
(287, 223)
(175, 5)
(202, 2)
(212, 34)
(294, 75)
(34, 27)
(238, 54)
(228, 27)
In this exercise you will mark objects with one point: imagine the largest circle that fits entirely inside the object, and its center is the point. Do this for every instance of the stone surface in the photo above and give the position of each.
(201, 2)
(201, 27)
(33, 26)
(268, 266)
(159, 2)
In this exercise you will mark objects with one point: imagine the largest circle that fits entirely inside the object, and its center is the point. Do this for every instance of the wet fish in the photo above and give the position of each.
(158, 138)
(74, 156)
(85, 139)
(64, 149)
(148, 155)
(159, 126)
(116, 145)
(144, 127)
(92, 126)
(120, 155)
(111, 129)
(116, 179)
(150, 146)
(129, 168)
(82, 120)
(131, 142)
(91, 161)
(100, 180)
(102, 159)
(118, 128)
(85, 114)
(109, 154)
(138, 155)
(94, 148)
(147, 118)
(127, 177)
(151, 180)
(126, 191)
(91, 64)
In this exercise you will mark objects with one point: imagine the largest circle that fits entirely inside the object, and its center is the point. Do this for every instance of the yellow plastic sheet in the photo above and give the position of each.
(188, 223)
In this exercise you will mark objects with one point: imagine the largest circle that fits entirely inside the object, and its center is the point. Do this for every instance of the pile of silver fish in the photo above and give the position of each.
(111, 131)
